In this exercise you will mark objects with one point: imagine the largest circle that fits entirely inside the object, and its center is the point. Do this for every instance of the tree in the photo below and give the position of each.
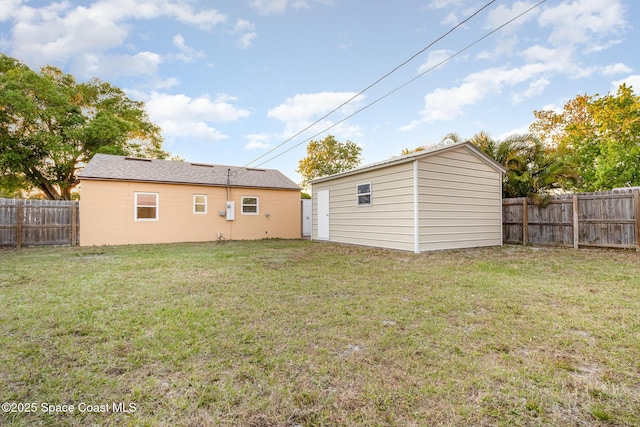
(533, 169)
(600, 136)
(328, 157)
(51, 125)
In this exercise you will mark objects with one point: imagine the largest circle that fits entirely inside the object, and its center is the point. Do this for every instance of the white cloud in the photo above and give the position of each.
(258, 141)
(582, 21)
(8, 8)
(535, 88)
(304, 107)
(521, 130)
(441, 4)
(243, 26)
(302, 110)
(448, 104)
(112, 66)
(633, 81)
(61, 33)
(434, 58)
(618, 68)
(451, 19)
(188, 54)
(273, 7)
(502, 14)
(573, 26)
(246, 40)
(270, 7)
(183, 116)
(246, 30)
(601, 46)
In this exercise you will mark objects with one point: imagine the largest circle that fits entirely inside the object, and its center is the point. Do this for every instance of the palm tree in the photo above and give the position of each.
(533, 170)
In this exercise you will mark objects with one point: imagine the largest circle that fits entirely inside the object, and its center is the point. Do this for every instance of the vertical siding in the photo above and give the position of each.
(387, 223)
(107, 214)
(459, 201)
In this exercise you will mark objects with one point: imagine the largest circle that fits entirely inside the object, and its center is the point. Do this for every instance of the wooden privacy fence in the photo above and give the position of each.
(604, 219)
(39, 222)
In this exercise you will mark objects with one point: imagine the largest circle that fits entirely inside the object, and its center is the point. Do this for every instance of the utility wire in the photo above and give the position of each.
(407, 83)
(374, 83)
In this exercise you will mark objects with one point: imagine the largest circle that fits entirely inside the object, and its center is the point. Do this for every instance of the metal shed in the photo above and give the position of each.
(448, 197)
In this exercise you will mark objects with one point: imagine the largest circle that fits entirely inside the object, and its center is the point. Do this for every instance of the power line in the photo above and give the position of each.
(406, 83)
(374, 83)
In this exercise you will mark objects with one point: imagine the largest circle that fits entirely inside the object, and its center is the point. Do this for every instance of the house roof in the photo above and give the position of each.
(418, 155)
(121, 168)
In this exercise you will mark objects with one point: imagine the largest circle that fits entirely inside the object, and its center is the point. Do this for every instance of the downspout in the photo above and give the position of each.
(416, 210)
(501, 212)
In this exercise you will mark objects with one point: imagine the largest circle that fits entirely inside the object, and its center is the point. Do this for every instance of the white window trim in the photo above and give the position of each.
(370, 194)
(242, 212)
(135, 206)
(205, 204)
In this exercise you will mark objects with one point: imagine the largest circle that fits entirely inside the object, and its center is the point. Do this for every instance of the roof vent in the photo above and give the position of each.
(204, 165)
(256, 170)
(138, 159)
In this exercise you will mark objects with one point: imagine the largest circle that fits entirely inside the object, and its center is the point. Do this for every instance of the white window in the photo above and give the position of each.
(199, 204)
(250, 206)
(364, 194)
(146, 207)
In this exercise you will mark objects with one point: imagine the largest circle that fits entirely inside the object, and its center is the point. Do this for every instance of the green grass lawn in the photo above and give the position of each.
(287, 333)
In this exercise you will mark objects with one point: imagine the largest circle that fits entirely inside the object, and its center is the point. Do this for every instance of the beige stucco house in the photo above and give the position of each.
(444, 198)
(128, 200)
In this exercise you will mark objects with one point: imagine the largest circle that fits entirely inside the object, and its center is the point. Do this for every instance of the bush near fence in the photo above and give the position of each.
(39, 222)
(608, 219)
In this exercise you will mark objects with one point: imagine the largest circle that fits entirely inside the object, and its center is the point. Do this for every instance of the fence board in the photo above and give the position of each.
(39, 222)
(604, 219)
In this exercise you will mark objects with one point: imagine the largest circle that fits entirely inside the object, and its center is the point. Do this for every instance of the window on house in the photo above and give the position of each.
(146, 206)
(250, 205)
(199, 204)
(364, 194)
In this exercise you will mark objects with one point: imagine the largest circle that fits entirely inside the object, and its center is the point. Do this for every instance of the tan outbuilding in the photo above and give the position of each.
(447, 197)
(129, 200)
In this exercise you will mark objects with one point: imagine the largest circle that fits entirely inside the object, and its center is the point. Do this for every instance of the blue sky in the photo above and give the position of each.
(230, 80)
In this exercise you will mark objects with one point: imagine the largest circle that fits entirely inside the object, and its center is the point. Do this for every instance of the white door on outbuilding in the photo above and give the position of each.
(306, 217)
(323, 214)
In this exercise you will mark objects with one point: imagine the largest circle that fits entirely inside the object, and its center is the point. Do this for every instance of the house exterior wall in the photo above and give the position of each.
(107, 214)
(387, 223)
(460, 201)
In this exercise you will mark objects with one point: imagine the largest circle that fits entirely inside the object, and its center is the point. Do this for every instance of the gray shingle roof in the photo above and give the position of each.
(120, 168)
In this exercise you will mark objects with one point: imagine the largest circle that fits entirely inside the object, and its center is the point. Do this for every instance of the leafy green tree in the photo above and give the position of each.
(599, 135)
(12, 187)
(50, 125)
(328, 157)
(533, 169)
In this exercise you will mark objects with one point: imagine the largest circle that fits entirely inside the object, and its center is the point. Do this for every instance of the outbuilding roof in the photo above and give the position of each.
(121, 168)
(417, 155)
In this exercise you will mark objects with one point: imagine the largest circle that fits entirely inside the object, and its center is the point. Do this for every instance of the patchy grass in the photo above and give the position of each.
(287, 333)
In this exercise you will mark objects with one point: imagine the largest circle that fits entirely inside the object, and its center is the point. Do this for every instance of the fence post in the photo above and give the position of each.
(636, 214)
(525, 221)
(576, 222)
(74, 221)
(19, 223)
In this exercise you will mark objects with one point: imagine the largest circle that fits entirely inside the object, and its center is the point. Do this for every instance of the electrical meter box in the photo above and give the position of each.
(231, 211)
